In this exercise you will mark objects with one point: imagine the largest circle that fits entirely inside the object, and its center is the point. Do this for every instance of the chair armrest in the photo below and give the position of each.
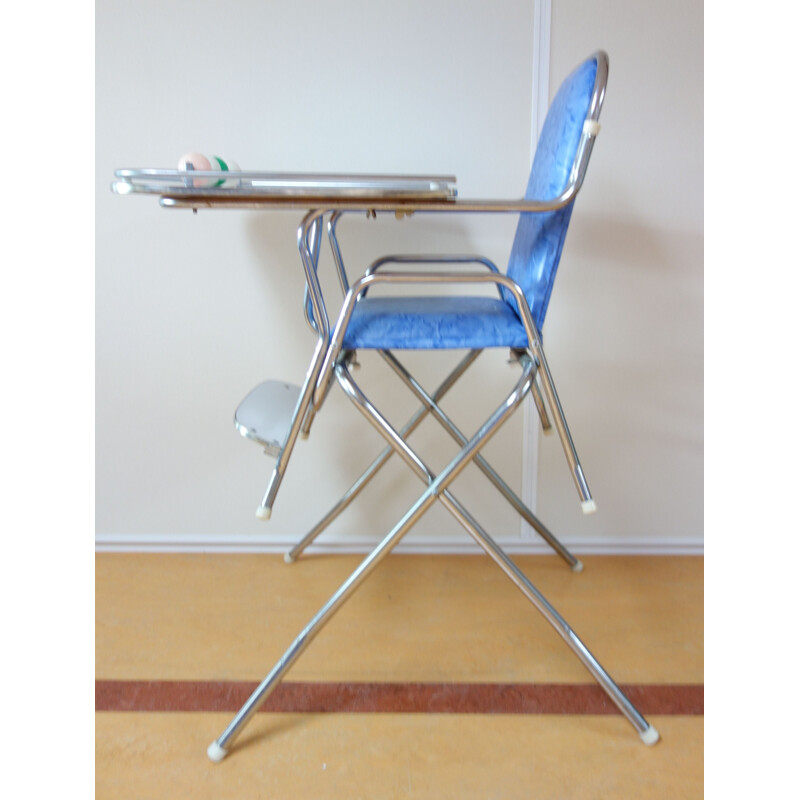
(396, 258)
(209, 198)
(432, 259)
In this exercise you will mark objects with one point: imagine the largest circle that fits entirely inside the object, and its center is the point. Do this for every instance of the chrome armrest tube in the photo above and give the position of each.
(337, 251)
(309, 237)
(432, 259)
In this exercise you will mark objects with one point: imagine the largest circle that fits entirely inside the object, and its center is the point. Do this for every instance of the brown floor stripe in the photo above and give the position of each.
(431, 698)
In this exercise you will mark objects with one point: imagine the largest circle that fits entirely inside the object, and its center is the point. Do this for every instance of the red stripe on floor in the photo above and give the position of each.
(430, 698)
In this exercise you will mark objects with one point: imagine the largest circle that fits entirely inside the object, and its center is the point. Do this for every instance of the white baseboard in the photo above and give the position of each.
(187, 543)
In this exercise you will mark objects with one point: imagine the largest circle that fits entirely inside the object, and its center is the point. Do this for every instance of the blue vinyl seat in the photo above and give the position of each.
(429, 323)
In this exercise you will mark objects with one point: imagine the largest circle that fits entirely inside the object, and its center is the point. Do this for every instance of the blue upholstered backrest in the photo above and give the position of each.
(540, 237)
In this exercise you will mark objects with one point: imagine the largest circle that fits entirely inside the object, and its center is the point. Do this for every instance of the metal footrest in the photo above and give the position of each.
(265, 415)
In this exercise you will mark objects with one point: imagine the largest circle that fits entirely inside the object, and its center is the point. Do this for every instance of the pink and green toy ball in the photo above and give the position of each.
(201, 163)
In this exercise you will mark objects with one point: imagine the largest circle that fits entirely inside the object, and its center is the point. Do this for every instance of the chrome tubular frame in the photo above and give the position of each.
(504, 489)
(534, 346)
(318, 397)
(336, 250)
(432, 259)
(648, 734)
(308, 241)
(358, 486)
(309, 237)
(436, 488)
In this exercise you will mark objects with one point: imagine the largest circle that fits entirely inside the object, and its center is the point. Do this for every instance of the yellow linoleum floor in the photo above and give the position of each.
(417, 619)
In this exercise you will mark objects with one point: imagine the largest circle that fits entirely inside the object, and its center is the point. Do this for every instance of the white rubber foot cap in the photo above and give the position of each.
(578, 567)
(263, 513)
(650, 736)
(216, 753)
(588, 506)
(288, 558)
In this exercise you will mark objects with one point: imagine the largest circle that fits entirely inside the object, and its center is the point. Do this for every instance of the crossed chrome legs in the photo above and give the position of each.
(218, 749)
(378, 463)
(647, 732)
(430, 405)
(437, 489)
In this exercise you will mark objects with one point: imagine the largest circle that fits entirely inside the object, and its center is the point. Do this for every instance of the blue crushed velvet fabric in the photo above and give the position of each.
(540, 237)
(433, 323)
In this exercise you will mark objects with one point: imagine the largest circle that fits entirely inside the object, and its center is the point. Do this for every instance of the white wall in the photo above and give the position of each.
(192, 311)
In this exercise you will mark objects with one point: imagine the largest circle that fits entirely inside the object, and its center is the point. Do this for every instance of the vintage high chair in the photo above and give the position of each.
(511, 318)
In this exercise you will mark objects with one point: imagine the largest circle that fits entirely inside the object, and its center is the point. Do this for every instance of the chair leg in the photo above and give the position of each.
(349, 495)
(432, 405)
(541, 408)
(264, 510)
(308, 240)
(378, 463)
(588, 504)
(648, 734)
(218, 749)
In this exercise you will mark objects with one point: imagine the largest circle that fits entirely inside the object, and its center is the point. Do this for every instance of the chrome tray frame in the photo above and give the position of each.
(255, 184)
